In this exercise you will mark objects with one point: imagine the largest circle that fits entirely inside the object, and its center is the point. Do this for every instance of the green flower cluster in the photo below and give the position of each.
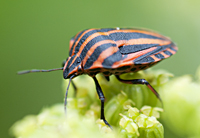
(52, 123)
(141, 123)
(181, 99)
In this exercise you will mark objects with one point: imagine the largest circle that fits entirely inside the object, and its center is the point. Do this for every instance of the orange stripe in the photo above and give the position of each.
(106, 53)
(155, 58)
(165, 55)
(131, 57)
(71, 43)
(141, 31)
(113, 31)
(173, 52)
(66, 63)
(72, 61)
(142, 41)
(80, 39)
(90, 52)
(88, 40)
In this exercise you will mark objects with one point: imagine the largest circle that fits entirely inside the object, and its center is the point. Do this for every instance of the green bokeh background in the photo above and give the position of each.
(36, 34)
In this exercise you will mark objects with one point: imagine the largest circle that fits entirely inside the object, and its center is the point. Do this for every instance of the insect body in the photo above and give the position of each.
(114, 51)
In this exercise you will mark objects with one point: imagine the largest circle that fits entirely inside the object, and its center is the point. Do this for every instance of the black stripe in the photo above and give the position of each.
(140, 59)
(125, 56)
(109, 61)
(80, 33)
(160, 56)
(132, 35)
(70, 50)
(91, 43)
(173, 49)
(74, 65)
(115, 37)
(145, 60)
(88, 34)
(70, 61)
(105, 29)
(97, 53)
(135, 48)
(167, 52)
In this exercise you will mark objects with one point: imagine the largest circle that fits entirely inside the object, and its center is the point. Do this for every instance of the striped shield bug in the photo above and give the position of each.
(113, 51)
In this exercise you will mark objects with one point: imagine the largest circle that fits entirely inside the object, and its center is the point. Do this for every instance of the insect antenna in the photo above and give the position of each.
(65, 103)
(37, 70)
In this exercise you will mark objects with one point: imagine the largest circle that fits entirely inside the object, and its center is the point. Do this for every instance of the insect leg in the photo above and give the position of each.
(75, 88)
(102, 98)
(107, 78)
(141, 81)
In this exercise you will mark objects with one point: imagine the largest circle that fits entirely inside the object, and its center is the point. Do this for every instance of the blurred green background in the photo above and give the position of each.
(36, 34)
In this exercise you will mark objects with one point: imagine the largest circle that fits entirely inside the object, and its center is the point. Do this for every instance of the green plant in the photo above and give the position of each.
(126, 109)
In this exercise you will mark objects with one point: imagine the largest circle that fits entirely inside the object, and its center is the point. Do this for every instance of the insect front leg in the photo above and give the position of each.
(102, 98)
(141, 81)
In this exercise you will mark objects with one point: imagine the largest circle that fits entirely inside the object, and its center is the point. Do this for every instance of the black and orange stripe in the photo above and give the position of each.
(117, 51)
(114, 51)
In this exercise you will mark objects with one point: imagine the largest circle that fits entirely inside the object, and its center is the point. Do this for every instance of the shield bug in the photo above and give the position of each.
(114, 51)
